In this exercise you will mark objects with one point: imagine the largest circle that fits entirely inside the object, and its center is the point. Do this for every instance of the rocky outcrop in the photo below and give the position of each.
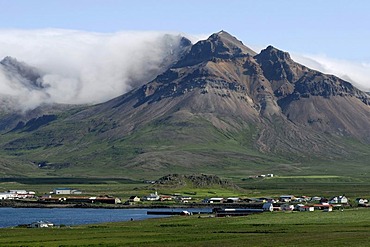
(195, 180)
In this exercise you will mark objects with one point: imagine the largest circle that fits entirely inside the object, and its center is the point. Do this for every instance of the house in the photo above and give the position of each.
(267, 199)
(22, 194)
(134, 199)
(315, 199)
(326, 207)
(303, 208)
(16, 194)
(338, 199)
(215, 200)
(41, 224)
(287, 207)
(268, 206)
(362, 201)
(185, 199)
(286, 198)
(49, 199)
(166, 198)
(6, 196)
(65, 191)
(299, 199)
(152, 197)
(105, 199)
(233, 200)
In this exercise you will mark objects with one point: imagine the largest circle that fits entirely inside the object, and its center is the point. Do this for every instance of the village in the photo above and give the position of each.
(69, 196)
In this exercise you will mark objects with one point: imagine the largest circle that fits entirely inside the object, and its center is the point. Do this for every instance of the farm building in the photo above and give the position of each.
(107, 200)
(286, 198)
(362, 201)
(303, 208)
(65, 191)
(233, 200)
(166, 198)
(325, 207)
(338, 199)
(6, 195)
(214, 200)
(268, 206)
(17, 194)
(152, 197)
(287, 207)
(134, 199)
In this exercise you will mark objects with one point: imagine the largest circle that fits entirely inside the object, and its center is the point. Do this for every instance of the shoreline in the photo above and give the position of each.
(35, 204)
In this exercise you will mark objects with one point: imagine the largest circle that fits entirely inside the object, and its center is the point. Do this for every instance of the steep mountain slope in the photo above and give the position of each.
(221, 108)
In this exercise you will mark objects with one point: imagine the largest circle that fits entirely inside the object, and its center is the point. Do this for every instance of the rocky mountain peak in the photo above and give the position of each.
(218, 45)
(277, 65)
(273, 54)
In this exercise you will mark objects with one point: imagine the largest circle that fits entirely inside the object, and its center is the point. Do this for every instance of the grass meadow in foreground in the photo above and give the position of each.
(339, 228)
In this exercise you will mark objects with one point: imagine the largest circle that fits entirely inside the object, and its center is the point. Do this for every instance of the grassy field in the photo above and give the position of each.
(309, 185)
(338, 228)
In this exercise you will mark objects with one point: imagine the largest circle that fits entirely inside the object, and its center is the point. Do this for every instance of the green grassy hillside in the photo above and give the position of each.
(160, 148)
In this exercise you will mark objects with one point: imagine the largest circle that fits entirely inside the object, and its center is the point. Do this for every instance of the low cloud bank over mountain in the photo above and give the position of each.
(76, 67)
(358, 73)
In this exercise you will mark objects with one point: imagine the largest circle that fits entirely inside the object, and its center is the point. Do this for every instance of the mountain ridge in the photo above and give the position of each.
(220, 105)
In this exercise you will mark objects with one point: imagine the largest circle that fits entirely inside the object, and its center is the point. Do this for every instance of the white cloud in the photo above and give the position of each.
(358, 73)
(84, 67)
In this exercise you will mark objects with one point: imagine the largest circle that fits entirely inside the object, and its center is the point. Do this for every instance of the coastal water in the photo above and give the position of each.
(78, 216)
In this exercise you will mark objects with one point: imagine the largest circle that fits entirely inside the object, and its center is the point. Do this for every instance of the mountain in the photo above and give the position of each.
(220, 108)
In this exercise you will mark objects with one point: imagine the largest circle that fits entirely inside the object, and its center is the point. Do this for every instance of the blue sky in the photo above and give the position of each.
(337, 28)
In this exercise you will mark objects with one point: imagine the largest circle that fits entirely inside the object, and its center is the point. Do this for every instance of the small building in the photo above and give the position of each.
(286, 198)
(326, 207)
(17, 194)
(41, 224)
(65, 191)
(303, 208)
(361, 201)
(315, 199)
(299, 199)
(338, 199)
(265, 199)
(268, 206)
(22, 194)
(6, 196)
(184, 199)
(215, 200)
(287, 207)
(270, 175)
(166, 198)
(152, 197)
(106, 200)
(17, 191)
(134, 199)
(233, 200)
